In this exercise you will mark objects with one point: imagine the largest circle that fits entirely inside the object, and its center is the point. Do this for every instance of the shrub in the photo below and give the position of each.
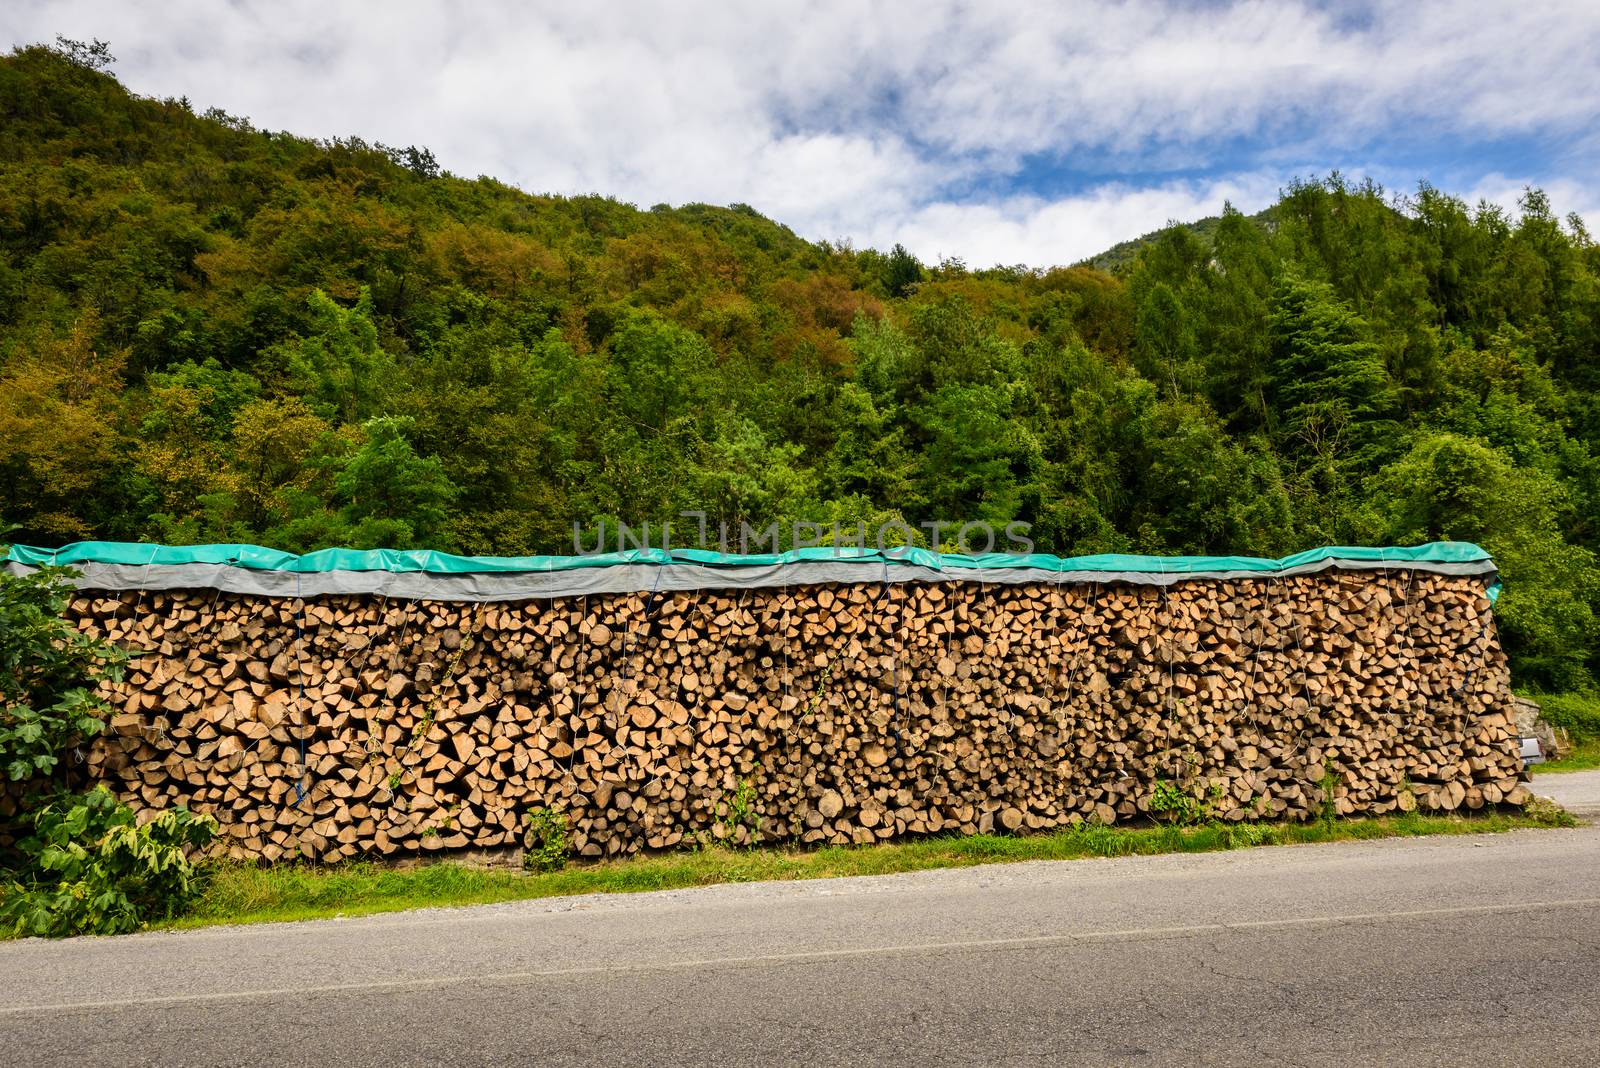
(48, 673)
(90, 868)
(1579, 713)
(736, 810)
(81, 864)
(1172, 803)
(546, 845)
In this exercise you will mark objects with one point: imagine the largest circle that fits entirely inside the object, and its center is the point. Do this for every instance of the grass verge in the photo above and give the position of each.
(238, 893)
(1585, 756)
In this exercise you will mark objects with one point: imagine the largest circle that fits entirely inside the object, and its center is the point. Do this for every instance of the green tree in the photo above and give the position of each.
(1166, 346)
(659, 372)
(1234, 329)
(1457, 488)
(1329, 384)
(61, 445)
(902, 271)
(869, 456)
(1199, 492)
(187, 421)
(978, 456)
(393, 498)
(341, 365)
(739, 476)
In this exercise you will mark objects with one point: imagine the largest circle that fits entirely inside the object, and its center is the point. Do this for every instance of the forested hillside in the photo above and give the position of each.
(1121, 256)
(210, 332)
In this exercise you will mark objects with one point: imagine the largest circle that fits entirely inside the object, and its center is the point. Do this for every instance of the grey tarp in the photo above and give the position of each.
(247, 570)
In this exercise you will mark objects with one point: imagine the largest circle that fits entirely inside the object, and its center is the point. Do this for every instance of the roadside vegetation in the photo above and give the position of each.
(73, 859)
(1579, 715)
(240, 893)
(1585, 756)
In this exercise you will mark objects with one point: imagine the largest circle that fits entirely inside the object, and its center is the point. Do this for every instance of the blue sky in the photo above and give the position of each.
(1034, 133)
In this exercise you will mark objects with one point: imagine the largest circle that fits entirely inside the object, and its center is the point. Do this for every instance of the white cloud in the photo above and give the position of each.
(876, 122)
(1031, 230)
(1567, 196)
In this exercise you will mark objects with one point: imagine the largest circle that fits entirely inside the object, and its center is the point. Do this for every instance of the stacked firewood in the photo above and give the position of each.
(347, 726)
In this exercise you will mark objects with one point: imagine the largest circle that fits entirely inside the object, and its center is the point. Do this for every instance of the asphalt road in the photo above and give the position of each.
(1480, 949)
(1576, 791)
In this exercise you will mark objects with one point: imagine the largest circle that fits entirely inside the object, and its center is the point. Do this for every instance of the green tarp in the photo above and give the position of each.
(256, 558)
(249, 570)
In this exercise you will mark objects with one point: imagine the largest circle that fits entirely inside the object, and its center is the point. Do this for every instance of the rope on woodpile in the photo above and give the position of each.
(300, 698)
(894, 657)
(581, 669)
(1168, 705)
(628, 654)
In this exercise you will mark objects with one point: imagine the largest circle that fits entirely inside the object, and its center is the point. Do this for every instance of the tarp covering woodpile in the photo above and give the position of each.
(414, 574)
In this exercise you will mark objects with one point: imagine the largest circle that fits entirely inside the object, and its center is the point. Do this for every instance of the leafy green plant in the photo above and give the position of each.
(90, 868)
(1546, 813)
(1171, 803)
(79, 864)
(1176, 802)
(31, 740)
(48, 673)
(1579, 713)
(824, 677)
(1330, 779)
(738, 809)
(546, 845)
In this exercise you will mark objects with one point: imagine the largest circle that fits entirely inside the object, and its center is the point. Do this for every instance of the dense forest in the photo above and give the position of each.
(210, 332)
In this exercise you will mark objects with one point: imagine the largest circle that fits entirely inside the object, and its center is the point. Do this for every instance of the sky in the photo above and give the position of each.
(1009, 133)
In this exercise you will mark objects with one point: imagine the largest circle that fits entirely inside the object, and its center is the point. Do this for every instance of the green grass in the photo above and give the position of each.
(238, 893)
(1585, 756)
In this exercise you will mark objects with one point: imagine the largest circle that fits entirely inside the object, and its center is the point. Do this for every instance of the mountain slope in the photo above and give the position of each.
(210, 332)
(1119, 258)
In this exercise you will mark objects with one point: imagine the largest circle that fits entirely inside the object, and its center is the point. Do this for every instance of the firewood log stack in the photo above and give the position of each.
(348, 726)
